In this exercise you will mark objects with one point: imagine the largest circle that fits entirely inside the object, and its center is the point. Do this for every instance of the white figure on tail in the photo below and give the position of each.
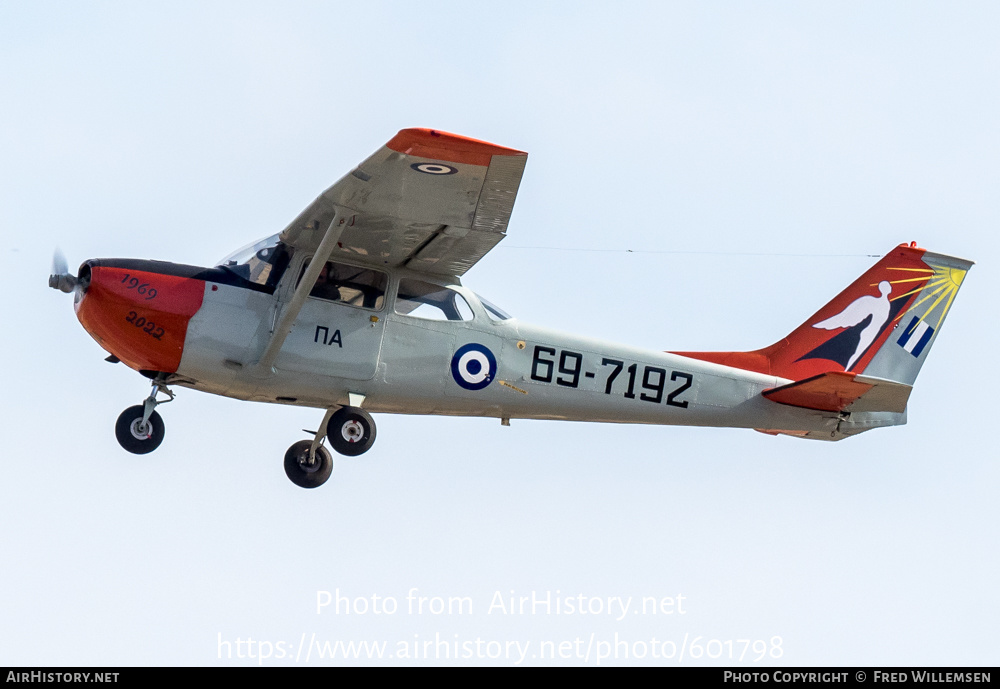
(860, 309)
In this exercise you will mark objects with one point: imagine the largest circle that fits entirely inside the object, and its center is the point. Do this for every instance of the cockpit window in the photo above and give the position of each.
(493, 311)
(350, 285)
(262, 262)
(425, 300)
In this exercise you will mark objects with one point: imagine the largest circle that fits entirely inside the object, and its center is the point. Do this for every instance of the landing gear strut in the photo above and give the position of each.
(139, 429)
(351, 432)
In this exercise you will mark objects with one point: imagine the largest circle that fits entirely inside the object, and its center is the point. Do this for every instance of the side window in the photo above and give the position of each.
(433, 302)
(350, 285)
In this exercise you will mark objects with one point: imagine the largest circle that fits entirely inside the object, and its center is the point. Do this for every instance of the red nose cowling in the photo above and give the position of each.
(140, 316)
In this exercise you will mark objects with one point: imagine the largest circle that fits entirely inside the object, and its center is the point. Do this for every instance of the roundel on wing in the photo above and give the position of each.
(473, 366)
(434, 168)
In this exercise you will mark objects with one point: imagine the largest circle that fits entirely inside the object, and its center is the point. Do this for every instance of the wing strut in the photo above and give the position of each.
(291, 311)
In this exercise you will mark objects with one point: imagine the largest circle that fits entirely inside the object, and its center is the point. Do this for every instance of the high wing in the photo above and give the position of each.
(428, 200)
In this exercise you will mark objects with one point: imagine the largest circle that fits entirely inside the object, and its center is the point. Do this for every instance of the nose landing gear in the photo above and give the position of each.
(139, 429)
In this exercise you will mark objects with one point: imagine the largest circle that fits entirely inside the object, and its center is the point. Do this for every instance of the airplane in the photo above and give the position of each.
(357, 307)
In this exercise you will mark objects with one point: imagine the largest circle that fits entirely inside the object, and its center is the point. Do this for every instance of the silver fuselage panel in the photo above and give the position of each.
(478, 367)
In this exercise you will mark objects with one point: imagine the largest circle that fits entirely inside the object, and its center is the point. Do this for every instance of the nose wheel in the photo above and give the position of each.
(137, 436)
(139, 429)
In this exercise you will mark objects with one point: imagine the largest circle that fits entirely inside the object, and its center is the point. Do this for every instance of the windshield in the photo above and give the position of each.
(262, 262)
(493, 311)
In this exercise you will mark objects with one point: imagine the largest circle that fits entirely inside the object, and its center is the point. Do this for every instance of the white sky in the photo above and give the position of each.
(736, 131)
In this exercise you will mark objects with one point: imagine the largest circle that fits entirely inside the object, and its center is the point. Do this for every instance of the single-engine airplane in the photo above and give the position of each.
(357, 307)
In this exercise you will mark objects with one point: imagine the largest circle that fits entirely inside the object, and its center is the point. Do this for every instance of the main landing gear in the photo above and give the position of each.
(306, 466)
(351, 432)
(139, 429)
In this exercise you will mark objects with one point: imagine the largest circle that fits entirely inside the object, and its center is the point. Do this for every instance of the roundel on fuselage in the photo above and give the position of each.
(473, 366)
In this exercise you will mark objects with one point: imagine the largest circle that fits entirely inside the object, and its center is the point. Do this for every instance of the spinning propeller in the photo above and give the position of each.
(61, 279)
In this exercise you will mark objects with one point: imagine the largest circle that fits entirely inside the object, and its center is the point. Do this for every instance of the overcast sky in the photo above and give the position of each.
(700, 176)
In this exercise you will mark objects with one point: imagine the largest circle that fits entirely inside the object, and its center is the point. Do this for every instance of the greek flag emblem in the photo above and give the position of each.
(915, 336)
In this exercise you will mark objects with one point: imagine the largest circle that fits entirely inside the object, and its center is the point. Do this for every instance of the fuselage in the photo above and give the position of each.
(205, 328)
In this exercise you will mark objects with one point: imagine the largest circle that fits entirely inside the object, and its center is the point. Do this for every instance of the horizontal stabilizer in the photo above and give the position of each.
(839, 391)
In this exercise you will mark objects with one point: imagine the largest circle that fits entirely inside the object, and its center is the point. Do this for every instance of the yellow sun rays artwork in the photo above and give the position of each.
(941, 283)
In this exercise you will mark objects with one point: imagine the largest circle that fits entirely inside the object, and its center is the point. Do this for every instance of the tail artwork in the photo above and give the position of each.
(861, 353)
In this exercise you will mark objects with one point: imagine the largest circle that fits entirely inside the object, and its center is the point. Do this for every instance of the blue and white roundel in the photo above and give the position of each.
(473, 366)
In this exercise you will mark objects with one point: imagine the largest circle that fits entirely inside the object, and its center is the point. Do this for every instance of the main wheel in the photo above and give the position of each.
(351, 431)
(136, 437)
(301, 472)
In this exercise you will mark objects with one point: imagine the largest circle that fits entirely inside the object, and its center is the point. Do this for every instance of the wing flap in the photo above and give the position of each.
(839, 391)
(496, 200)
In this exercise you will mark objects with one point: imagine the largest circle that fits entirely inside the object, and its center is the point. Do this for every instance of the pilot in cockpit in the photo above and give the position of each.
(325, 287)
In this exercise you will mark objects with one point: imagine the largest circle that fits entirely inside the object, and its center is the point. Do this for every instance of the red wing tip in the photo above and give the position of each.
(453, 148)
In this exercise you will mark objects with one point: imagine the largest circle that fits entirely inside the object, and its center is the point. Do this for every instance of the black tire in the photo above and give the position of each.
(300, 472)
(135, 439)
(351, 431)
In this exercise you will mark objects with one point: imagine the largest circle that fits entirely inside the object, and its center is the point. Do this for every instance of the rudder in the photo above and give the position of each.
(917, 327)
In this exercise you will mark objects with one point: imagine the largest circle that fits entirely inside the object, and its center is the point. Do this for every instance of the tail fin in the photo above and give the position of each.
(882, 326)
